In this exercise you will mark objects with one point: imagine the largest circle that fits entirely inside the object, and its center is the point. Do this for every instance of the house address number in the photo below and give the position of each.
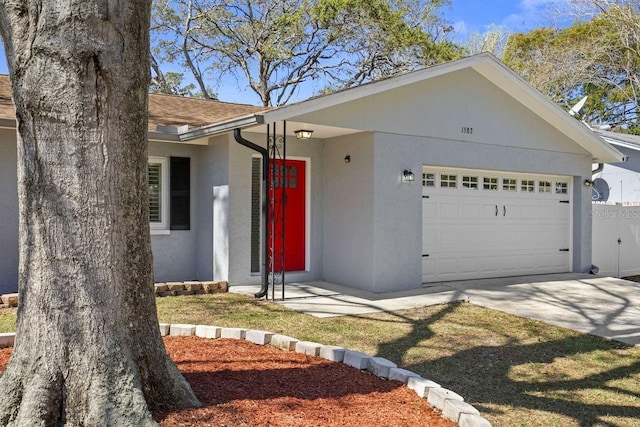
(467, 130)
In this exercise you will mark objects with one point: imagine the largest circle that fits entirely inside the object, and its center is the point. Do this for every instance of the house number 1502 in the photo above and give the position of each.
(467, 130)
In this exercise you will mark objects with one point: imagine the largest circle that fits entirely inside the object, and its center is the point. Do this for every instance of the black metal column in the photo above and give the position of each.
(276, 148)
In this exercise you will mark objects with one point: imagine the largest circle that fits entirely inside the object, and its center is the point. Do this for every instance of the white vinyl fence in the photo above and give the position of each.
(616, 239)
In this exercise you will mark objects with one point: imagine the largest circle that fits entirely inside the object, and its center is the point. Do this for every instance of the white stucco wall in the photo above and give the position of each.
(349, 211)
(8, 212)
(212, 173)
(220, 232)
(440, 107)
(174, 254)
(397, 215)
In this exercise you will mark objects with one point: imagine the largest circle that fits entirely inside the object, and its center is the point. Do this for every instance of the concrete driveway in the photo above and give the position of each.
(602, 306)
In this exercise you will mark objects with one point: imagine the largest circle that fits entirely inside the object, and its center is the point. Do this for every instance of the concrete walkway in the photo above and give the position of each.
(602, 306)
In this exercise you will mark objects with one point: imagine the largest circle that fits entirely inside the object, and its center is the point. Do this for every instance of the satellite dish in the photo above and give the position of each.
(576, 108)
(600, 190)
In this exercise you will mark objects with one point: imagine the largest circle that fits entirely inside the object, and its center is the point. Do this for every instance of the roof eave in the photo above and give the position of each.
(624, 144)
(154, 136)
(192, 138)
(222, 127)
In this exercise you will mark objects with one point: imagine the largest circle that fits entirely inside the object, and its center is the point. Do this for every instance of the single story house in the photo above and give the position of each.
(457, 171)
(619, 182)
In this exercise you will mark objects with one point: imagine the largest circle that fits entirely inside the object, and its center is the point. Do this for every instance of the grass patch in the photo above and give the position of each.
(516, 371)
(8, 319)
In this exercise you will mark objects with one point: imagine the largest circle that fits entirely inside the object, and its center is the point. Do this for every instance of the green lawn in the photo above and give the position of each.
(517, 372)
(7, 319)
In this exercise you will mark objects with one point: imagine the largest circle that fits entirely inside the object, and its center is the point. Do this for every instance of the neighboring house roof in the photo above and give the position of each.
(7, 110)
(164, 110)
(169, 110)
(620, 139)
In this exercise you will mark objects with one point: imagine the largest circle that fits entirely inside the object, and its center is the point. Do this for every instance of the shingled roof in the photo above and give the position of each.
(164, 110)
(6, 104)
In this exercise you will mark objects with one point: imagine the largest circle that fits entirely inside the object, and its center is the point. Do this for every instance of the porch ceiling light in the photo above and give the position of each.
(408, 176)
(303, 133)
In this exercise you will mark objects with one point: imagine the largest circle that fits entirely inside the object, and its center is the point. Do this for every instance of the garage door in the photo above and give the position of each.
(481, 224)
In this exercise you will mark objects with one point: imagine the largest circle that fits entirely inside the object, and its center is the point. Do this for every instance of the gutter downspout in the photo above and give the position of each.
(598, 169)
(265, 211)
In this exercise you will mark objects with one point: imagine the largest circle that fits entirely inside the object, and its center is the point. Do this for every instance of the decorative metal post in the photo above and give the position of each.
(276, 193)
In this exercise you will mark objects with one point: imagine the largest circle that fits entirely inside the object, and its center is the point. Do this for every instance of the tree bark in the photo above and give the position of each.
(88, 350)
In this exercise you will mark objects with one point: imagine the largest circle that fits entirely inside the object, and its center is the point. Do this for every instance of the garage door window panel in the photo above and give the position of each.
(528, 186)
(448, 181)
(428, 179)
(509, 184)
(470, 182)
(562, 188)
(490, 183)
(544, 186)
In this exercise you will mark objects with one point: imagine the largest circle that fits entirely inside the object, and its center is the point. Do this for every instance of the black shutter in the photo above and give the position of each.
(179, 193)
(256, 167)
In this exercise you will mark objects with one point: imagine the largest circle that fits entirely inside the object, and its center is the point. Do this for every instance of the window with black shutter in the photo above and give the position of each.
(179, 193)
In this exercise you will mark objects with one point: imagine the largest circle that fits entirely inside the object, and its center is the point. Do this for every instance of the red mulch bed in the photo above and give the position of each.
(243, 384)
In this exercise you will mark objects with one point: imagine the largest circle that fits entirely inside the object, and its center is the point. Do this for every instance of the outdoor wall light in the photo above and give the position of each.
(347, 159)
(303, 133)
(588, 183)
(408, 176)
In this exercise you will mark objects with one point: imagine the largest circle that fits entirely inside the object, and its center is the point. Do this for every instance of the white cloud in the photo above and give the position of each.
(531, 14)
(533, 4)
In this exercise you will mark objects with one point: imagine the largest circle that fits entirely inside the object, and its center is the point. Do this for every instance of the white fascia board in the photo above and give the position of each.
(6, 123)
(174, 138)
(222, 127)
(162, 137)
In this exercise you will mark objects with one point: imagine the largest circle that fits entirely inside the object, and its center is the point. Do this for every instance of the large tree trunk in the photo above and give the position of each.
(88, 350)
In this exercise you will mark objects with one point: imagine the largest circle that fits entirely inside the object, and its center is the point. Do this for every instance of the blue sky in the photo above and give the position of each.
(467, 16)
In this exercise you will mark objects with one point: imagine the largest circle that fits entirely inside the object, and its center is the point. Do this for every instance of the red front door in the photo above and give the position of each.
(290, 176)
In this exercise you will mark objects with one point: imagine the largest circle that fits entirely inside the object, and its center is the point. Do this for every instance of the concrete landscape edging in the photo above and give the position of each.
(451, 404)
